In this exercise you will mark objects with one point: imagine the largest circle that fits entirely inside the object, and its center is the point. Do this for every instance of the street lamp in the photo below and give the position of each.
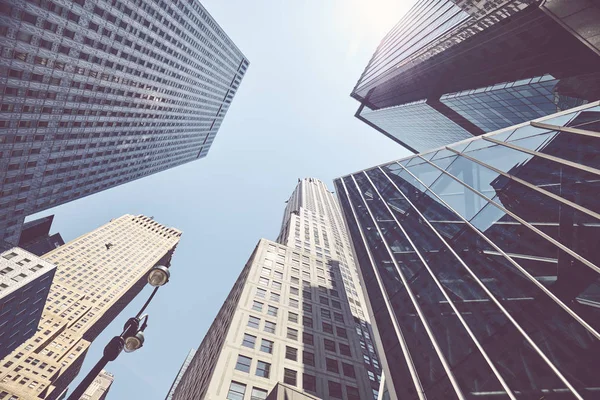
(132, 337)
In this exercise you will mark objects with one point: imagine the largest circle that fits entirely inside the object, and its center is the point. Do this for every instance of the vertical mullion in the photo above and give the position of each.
(394, 319)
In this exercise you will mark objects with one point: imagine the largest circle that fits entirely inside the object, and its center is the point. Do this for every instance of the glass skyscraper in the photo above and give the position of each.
(481, 262)
(97, 93)
(470, 67)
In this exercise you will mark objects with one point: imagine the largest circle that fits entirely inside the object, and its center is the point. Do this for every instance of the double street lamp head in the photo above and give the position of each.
(158, 276)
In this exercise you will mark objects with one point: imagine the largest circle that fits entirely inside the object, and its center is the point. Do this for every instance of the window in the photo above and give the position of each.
(307, 322)
(341, 332)
(345, 349)
(6, 270)
(257, 305)
(263, 281)
(324, 300)
(295, 280)
(276, 285)
(270, 326)
(253, 322)
(327, 327)
(294, 290)
(236, 391)
(309, 382)
(292, 317)
(278, 274)
(292, 334)
(291, 353)
(263, 369)
(334, 293)
(308, 358)
(262, 293)
(329, 345)
(275, 297)
(338, 317)
(272, 311)
(307, 307)
(307, 338)
(266, 346)
(352, 393)
(348, 370)
(335, 389)
(265, 271)
(293, 303)
(289, 376)
(258, 394)
(243, 363)
(307, 295)
(332, 365)
(336, 304)
(371, 375)
(249, 341)
(325, 313)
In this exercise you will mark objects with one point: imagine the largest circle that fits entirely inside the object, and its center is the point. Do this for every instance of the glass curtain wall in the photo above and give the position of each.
(481, 261)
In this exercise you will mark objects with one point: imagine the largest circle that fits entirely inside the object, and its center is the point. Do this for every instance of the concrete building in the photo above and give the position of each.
(466, 67)
(480, 262)
(98, 390)
(295, 316)
(182, 370)
(36, 237)
(24, 285)
(97, 93)
(97, 275)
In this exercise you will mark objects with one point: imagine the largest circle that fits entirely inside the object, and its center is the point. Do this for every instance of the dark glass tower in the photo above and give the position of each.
(481, 264)
(469, 67)
(97, 93)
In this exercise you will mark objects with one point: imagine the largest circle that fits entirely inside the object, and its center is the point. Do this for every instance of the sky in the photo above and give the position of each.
(291, 118)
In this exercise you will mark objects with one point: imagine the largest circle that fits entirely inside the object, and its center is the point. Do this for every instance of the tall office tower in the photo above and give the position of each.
(36, 237)
(481, 265)
(466, 67)
(97, 275)
(24, 285)
(98, 389)
(293, 317)
(97, 93)
(182, 370)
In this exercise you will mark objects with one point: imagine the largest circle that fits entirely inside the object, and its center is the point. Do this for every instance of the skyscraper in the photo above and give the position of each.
(99, 388)
(24, 285)
(94, 94)
(481, 265)
(465, 67)
(97, 275)
(295, 316)
(184, 367)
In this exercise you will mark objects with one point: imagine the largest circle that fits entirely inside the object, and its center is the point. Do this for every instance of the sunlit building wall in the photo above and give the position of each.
(97, 275)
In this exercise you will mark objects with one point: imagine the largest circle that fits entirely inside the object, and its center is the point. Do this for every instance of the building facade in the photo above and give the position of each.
(97, 93)
(97, 275)
(481, 265)
(98, 389)
(295, 316)
(36, 238)
(25, 281)
(468, 67)
(182, 370)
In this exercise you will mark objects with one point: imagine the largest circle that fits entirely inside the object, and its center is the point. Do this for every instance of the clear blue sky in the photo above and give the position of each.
(292, 117)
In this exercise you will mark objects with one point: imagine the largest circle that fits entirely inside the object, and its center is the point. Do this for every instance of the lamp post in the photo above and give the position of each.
(132, 337)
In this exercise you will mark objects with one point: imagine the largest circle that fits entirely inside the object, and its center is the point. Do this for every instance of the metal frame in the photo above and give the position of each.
(439, 285)
(411, 367)
(490, 294)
